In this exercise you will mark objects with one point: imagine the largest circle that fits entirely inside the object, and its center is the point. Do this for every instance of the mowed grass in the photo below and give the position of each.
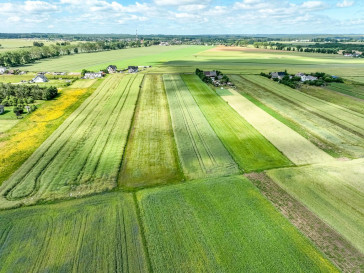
(351, 89)
(344, 117)
(151, 155)
(327, 135)
(153, 55)
(222, 225)
(327, 94)
(83, 155)
(6, 124)
(98, 234)
(19, 142)
(248, 147)
(297, 149)
(200, 151)
(333, 191)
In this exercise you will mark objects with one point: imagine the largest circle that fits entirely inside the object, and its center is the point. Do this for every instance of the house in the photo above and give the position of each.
(112, 68)
(133, 69)
(93, 75)
(305, 78)
(39, 78)
(2, 109)
(59, 73)
(2, 69)
(211, 74)
(278, 75)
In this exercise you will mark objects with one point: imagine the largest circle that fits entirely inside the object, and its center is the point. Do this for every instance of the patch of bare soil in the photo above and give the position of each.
(332, 244)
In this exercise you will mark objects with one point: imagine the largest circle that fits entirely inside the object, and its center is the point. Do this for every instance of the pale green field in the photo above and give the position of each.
(66, 165)
(13, 44)
(151, 155)
(6, 124)
(334, 191)
(201, 152)
(297, 149)
(222, 225)
(97, 234)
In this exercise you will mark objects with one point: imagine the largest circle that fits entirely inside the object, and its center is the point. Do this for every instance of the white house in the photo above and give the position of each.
(2, 69)
(112, 68)
(278, 75)
(40, 78)
(93, 75)
(133, 69)
(305, 78)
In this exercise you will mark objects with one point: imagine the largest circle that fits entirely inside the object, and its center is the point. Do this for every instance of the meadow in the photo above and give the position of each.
(154, 161)
(297, 149)
(222, 225)
(354, 90)
(66, 165)
(334, 191)
(98, 234)
(201, 152)
(326, 134)
(248, 147)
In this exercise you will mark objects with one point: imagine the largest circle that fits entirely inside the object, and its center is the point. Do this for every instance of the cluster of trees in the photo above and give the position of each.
(202, 76)
(294, 81)
(15, 94)
(29, 55)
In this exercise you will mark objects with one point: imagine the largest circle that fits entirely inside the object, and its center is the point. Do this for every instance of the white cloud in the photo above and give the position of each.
(345, 4)
(313, 5)
(192, 8)
(180, 2)
(38, 6)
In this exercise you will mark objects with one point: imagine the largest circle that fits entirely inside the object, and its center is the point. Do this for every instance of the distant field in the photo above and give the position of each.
(298, 149)
(66, 165)
(151, 155)
(16, 78)
(12, 44)
(248, 147)
(98, 234)
(154, 55)
(201, 152)
(354, 90)
(333, 191)
(324, 133)
(222, 225)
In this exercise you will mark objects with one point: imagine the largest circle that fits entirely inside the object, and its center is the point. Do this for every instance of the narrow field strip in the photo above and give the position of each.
(97, 234)
(298, 149)
(248, 147)
(151, 155)
(222, 225)
(200, 150)
(84, 154)
(325, 134)
(333, 191)
(340, 115)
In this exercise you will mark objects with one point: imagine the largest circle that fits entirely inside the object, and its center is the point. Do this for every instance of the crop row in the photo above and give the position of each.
(84, 154)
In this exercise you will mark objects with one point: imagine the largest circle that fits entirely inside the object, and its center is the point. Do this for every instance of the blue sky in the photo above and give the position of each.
(183, 16)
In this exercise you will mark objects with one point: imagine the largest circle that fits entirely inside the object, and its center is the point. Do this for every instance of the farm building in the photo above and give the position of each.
(278, 75)
(40, 78)
(112, 68)
(2, 109)
(2, 69)
(210, 74)
(133, 69)
(93, 75)
(59, 73)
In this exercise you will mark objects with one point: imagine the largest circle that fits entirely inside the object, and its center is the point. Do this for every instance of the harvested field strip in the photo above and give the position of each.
(17, 144)
(151, 155)
(97, 234)
(298, 149)
(84, 154)
(329, 241)
(322, 132)
(248, 147)
(343, 117)
(200, 150)
(333, 191)
(222, 225)
(355, 90)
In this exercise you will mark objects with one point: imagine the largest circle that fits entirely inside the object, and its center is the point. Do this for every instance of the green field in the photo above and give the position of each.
(354, 90)
(66, 165)
(297, 149)
(326, 134)
(222, 225)
(151, 154)
(248, 147)
(200, 150)
(98, 234)
(333, 191)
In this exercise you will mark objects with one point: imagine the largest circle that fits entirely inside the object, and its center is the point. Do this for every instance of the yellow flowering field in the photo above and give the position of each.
(17, 144)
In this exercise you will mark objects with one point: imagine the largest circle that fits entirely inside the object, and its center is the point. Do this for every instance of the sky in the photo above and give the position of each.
(183, 16)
